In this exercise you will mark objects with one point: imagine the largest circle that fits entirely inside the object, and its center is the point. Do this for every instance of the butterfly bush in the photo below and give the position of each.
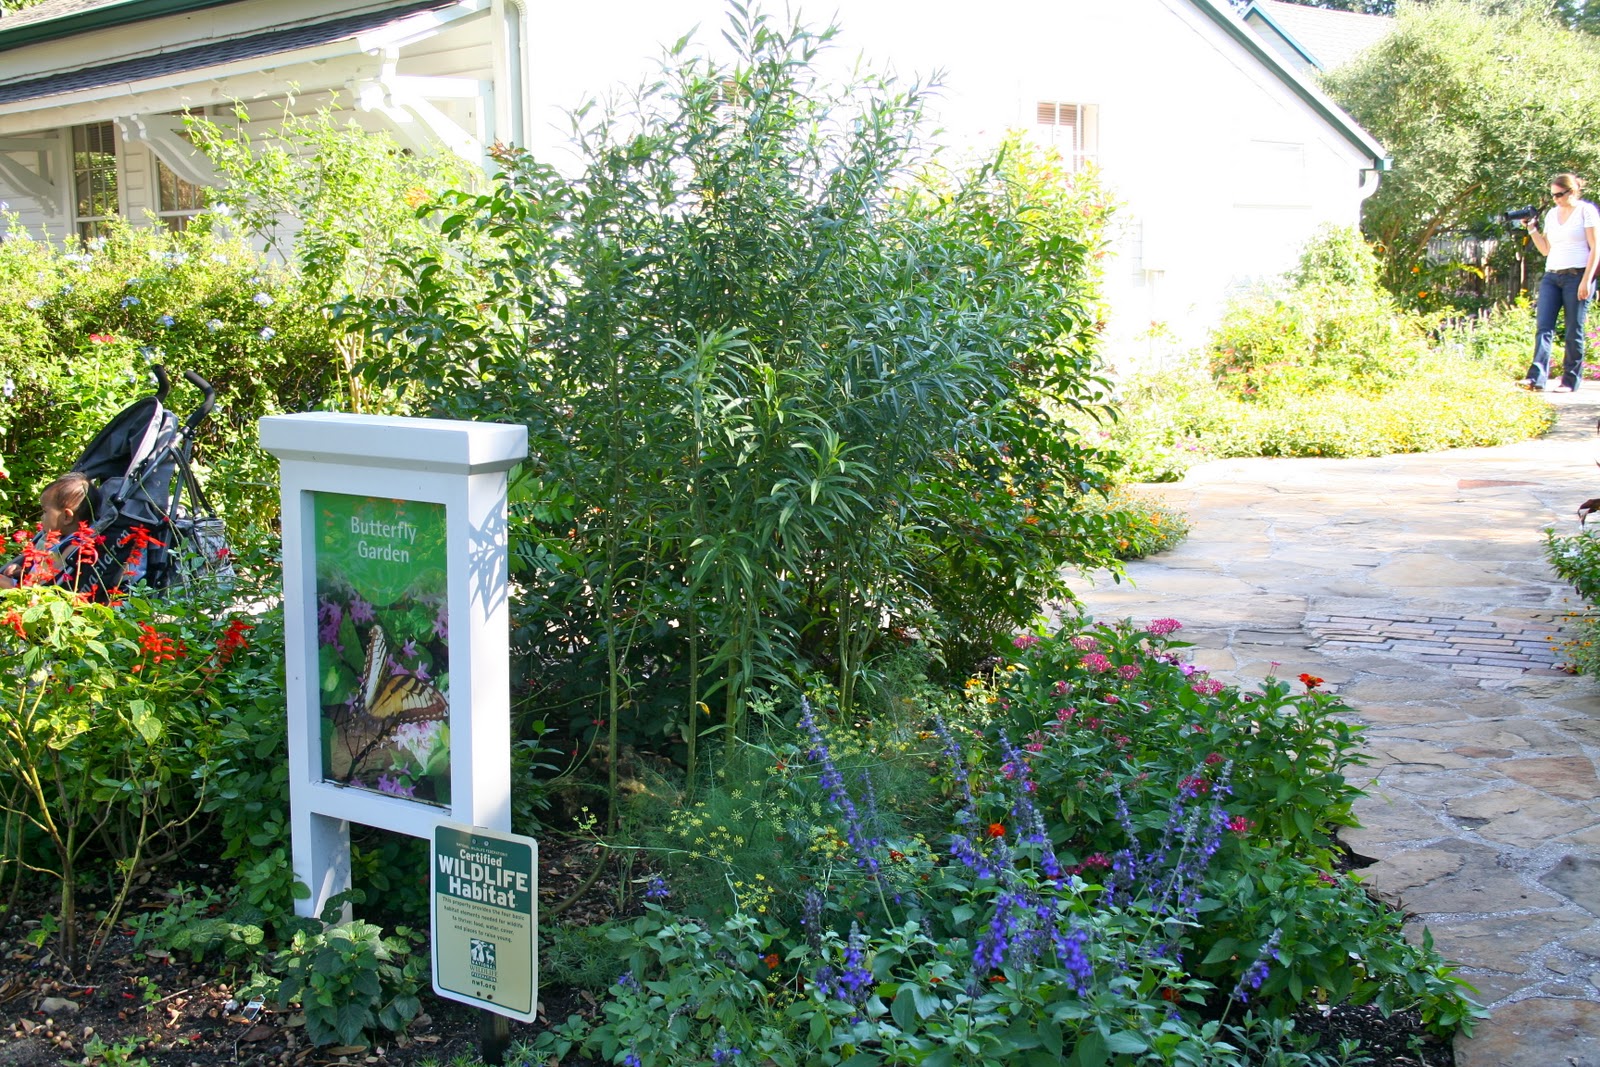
(1115, 865)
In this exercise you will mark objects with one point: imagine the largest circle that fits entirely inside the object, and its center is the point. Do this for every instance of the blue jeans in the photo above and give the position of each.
(1558, 292)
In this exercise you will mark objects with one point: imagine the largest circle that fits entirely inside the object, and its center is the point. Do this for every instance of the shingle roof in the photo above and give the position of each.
(212, 54)
(1332, 37)
(51, 9)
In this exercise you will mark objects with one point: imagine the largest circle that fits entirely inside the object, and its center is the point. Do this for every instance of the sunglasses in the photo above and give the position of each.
(1563, 194)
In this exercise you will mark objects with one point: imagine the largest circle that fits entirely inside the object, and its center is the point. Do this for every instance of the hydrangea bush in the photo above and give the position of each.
(81, 326)
(1115, 859)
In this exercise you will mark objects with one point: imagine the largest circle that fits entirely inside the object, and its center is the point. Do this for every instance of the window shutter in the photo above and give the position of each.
(1063, 123)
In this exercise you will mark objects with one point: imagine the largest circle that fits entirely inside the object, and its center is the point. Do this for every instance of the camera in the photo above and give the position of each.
(1519, 214)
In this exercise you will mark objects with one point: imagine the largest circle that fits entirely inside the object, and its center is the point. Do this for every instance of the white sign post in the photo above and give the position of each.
(397, 629)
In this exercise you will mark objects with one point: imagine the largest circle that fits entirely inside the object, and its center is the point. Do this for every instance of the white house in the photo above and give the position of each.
(1225, 157)
(93, 92)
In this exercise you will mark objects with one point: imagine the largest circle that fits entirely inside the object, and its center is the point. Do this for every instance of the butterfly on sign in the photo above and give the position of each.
(392, 697)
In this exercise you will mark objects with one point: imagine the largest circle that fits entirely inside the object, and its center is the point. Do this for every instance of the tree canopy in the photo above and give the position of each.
(1581, 15)
(1478, 110)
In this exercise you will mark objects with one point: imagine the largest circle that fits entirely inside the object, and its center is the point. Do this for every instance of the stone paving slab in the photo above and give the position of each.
(1439, 622)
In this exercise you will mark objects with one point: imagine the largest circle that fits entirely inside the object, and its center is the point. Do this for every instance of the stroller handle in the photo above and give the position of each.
(163, 383)
(210, 401)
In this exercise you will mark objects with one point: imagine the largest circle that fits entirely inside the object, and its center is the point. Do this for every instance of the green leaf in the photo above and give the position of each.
(1090, 1051)
(1225, 948)
(904, 1007)
(1127, 1043)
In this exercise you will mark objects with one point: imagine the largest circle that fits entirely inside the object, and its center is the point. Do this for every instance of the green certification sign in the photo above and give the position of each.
(485, 919)
(383, 636)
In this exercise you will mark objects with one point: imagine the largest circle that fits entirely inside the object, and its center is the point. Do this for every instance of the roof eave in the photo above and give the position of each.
(98, 18)
(1235, 28)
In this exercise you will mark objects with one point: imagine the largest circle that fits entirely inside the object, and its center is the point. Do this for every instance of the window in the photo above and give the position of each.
(177, 201)
(1070, 127)
(94, 174)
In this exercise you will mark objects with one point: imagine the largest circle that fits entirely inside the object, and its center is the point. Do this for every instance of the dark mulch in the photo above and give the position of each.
(143, 1003)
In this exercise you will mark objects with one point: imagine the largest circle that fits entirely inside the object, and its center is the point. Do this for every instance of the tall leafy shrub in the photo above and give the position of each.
(1332, 326)
(776, 390)
(333, 201)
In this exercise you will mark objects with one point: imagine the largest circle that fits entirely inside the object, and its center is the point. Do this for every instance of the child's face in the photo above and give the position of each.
(57, 519)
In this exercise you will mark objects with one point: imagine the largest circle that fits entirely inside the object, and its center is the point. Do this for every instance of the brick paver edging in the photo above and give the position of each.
(1484, 646)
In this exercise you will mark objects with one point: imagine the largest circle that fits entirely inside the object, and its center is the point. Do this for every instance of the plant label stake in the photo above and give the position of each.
(485, 917)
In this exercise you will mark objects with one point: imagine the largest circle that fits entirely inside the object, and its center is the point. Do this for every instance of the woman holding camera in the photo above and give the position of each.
(1570, 243)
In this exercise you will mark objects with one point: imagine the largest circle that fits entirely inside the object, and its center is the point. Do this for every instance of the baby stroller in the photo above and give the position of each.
(153, 519)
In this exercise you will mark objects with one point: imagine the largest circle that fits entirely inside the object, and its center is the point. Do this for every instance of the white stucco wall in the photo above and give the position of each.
(1223, 171)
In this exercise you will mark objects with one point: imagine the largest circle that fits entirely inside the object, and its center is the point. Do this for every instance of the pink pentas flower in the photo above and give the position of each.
(1025, 641)
(1060, 689)
(1097, 662)
(1162, 627)
(1084, 643)
(1129, 671)
(1207, 687)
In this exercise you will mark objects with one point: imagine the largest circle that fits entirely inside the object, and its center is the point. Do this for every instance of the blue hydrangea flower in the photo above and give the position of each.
(262, 300)
(167, 320)
(268, 333)
(129, 301)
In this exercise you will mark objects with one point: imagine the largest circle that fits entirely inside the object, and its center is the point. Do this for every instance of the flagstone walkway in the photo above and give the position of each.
(1416, 586)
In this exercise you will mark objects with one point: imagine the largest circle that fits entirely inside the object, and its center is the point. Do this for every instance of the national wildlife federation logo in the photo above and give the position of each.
(482, 953)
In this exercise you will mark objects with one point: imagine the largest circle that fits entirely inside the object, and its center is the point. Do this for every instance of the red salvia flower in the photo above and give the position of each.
(162, 649)
(232, 640)
(88, 543)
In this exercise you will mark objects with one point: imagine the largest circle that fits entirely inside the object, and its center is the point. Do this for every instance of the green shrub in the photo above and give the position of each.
(1499, 339)
(1316, 337)
(1576, 558)
(1450, 400)
(114, 736)
(1337, 256)
(1140, 525)
(348, 978)
(786, 401)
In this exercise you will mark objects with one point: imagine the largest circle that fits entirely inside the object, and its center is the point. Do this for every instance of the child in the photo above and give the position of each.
(65, 503)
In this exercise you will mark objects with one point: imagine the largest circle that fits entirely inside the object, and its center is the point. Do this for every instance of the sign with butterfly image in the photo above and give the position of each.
(396, 630)
(383, 645)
